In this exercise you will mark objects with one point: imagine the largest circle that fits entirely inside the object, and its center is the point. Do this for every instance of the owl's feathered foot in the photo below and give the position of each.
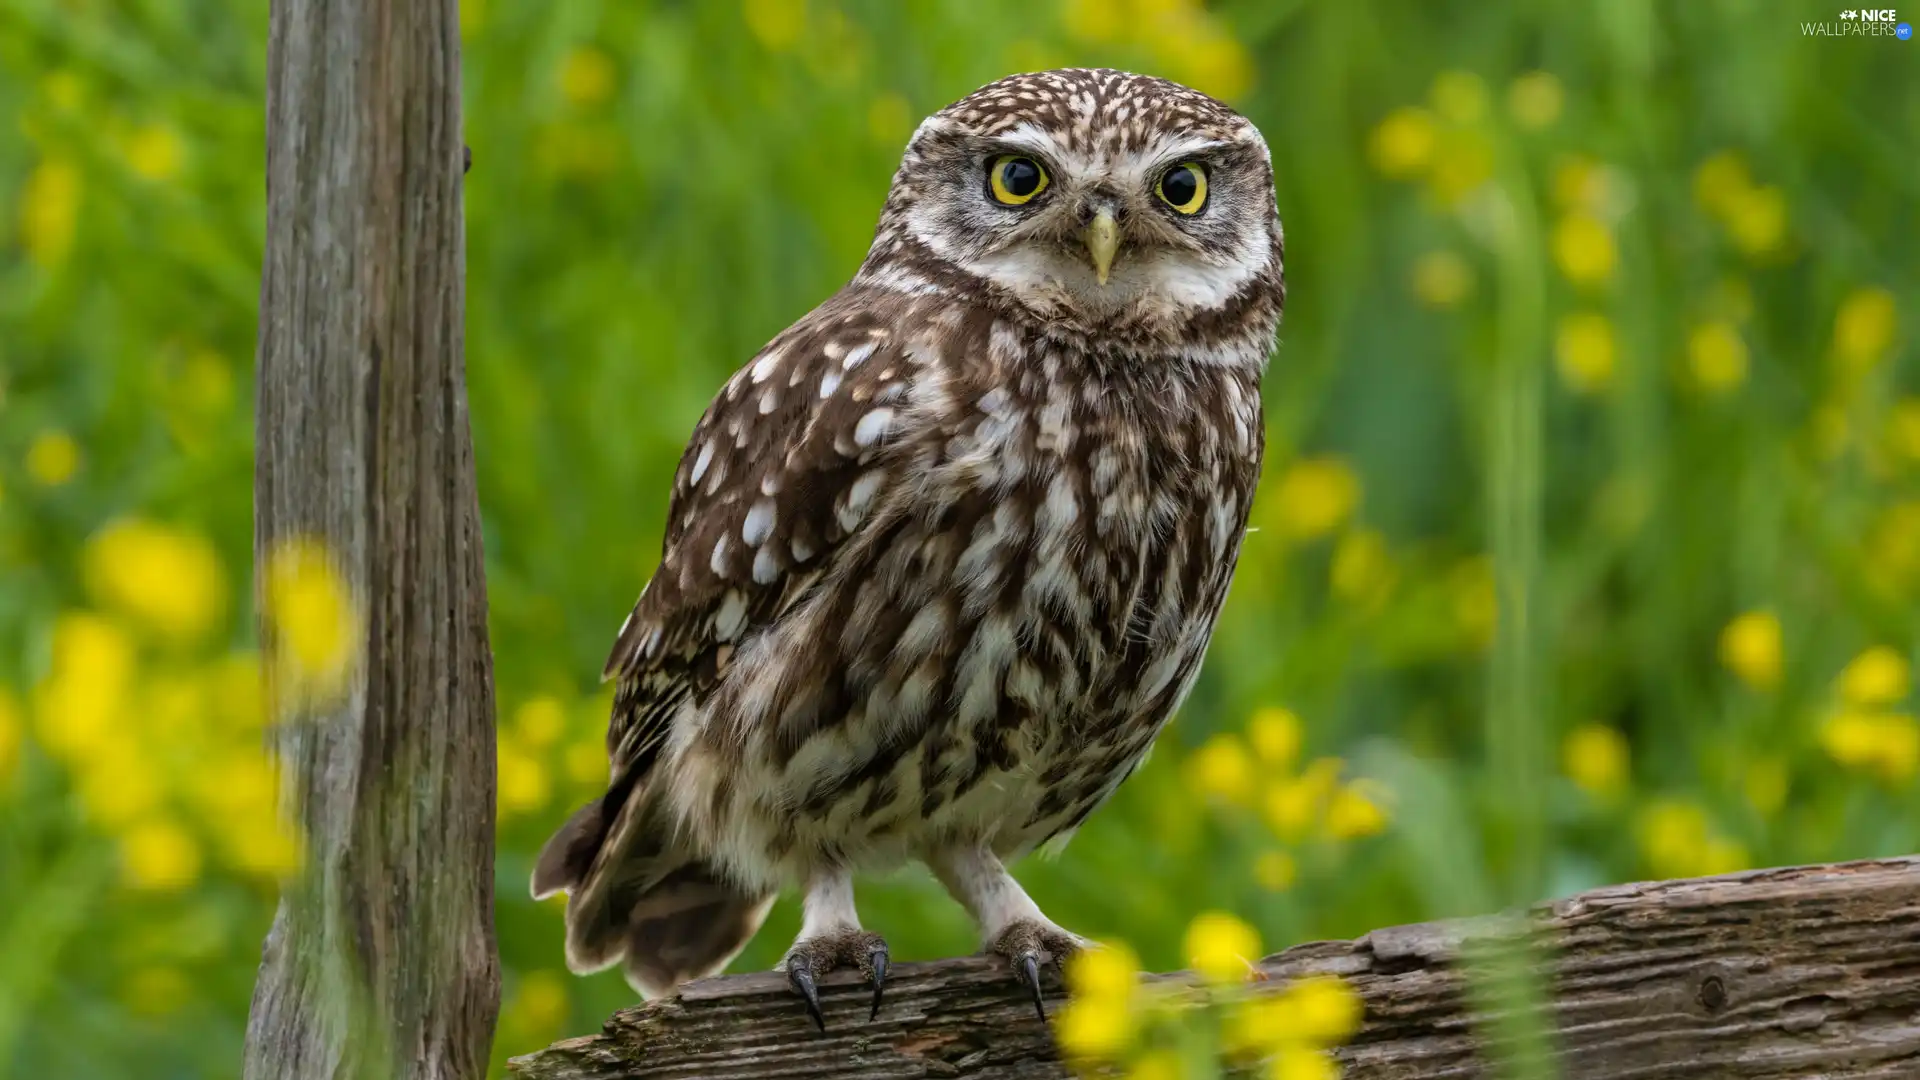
(831, 939)
(850, 947)
(1030, 944)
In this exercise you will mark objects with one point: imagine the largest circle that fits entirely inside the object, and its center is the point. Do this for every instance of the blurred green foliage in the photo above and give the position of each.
(1588, 548)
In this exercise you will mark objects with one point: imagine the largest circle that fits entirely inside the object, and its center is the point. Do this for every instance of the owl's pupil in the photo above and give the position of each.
(1179, 186)
(1020, 177)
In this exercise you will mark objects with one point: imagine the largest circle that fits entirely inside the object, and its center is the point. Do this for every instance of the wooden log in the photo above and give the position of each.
(381, 961)
(1800, 972)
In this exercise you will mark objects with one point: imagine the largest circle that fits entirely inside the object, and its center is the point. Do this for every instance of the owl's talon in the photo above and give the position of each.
(1029, 973)
(800, 977)
(1029, 944)
(877, 973)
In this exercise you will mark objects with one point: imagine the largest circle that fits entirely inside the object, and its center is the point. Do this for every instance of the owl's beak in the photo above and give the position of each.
(1103, 239)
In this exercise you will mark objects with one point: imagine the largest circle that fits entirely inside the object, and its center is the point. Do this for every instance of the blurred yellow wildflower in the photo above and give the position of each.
(1756, 219)
(1535, 100)
(1362, 572)
(1442, 279)
(1221, 947)
(155, 152)
(1878, 676)
(159, 856)
(540, 721)
(1403, 144)
(1313, 497)
(1459, 96)
(1596, 758)
(169, 579)
(49, 210)
(1584, 351)
(315, 621)
(1302, 1063)
(81, 702)
(117, 783)
(889, 119)
(1884, 744)
(1221, 768)
(1864, 327)
(263, 844)
(1322, 1010)
(1678, 841)
(1197, 51)
(586, 762)
(473, 17)
(586, 76)
(1293, 805)
(1094, 20)
(1577, 184)
(52, 458)
(524, 784)
(1750, 647)
(1108, 970)
(1161, 1064)
(1353, 814)
(1765, 785)
(1462, 162)
(776, 23)
(1275, 871)
(1719, 181)
(1716, 357)
(1583, 249)
(1276, 736)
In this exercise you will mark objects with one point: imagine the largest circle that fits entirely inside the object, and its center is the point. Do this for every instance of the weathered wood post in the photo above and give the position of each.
(381, 961)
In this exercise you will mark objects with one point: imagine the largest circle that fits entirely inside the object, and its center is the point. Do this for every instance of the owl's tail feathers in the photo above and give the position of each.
(669, 914)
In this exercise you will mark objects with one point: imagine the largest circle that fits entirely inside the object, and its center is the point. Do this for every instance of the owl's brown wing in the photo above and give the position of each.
(781, 470)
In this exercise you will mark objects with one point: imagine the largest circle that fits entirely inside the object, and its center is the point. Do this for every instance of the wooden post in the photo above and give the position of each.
(381, 961)
(1805, 972)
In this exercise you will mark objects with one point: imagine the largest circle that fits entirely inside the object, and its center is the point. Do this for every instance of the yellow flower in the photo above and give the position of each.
(1719, 182)
(1302, 1063)
(1108, 971)
(1723, 856)
(1094, 1028)
(1221, 947)
(776, 23)
(1535, 100)
(473, 17)
(1459, 96)
(1276, 736)
(1717, 357)
(265, 846)
(1584, 351)
(1578, 184)
(1221, 769)
(1765, 785)
(1313, 497)
(315, 622)
(1442, 279)
(1750, 647)
(1886, 744)
(1160, 1064)
(1276, 871)
(539, 1002)
(1403, 144)
(1323, 1009)
(1878, 676)
(52, 458)
(1595, 757)
(167, 578)
(82, 701)
(1678, 841)
(1094, 20)
(524, 784)
(156, 991)
(118, 784)
(234, 683)
(1583, 249)
(1352, 814)
(49, 210)
(540, 721)
(159, 856)
(1462, 161)
(1756, 219)
(1362, 572)
(586, 762)
(1863, 330)
(155, 152)
(1293, 805)
(586, 77)
(889, 119)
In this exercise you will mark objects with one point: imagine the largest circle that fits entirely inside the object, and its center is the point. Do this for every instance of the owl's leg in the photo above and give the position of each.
(1011, 924)
(830, 937)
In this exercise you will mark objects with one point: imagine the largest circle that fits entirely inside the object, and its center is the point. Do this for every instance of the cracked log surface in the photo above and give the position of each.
(1807, 971)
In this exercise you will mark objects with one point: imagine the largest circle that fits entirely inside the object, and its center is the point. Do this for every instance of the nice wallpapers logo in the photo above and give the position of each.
(1858, 22)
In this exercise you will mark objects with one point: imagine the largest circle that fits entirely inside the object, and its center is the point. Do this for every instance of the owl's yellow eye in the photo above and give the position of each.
(1014, 179)
(1184, 187)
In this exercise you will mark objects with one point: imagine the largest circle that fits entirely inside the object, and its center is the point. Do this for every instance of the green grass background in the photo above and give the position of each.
(1553, 407)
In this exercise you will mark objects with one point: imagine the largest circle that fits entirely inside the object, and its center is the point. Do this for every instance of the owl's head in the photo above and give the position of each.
(1097, 200)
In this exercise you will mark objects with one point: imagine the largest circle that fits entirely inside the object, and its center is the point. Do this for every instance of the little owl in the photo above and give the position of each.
(942, 558)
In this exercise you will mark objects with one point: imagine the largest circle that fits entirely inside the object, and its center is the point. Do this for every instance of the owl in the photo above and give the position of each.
(942, 558)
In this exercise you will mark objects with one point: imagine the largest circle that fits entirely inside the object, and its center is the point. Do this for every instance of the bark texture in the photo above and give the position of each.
(381, 961)
(1801, 972)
